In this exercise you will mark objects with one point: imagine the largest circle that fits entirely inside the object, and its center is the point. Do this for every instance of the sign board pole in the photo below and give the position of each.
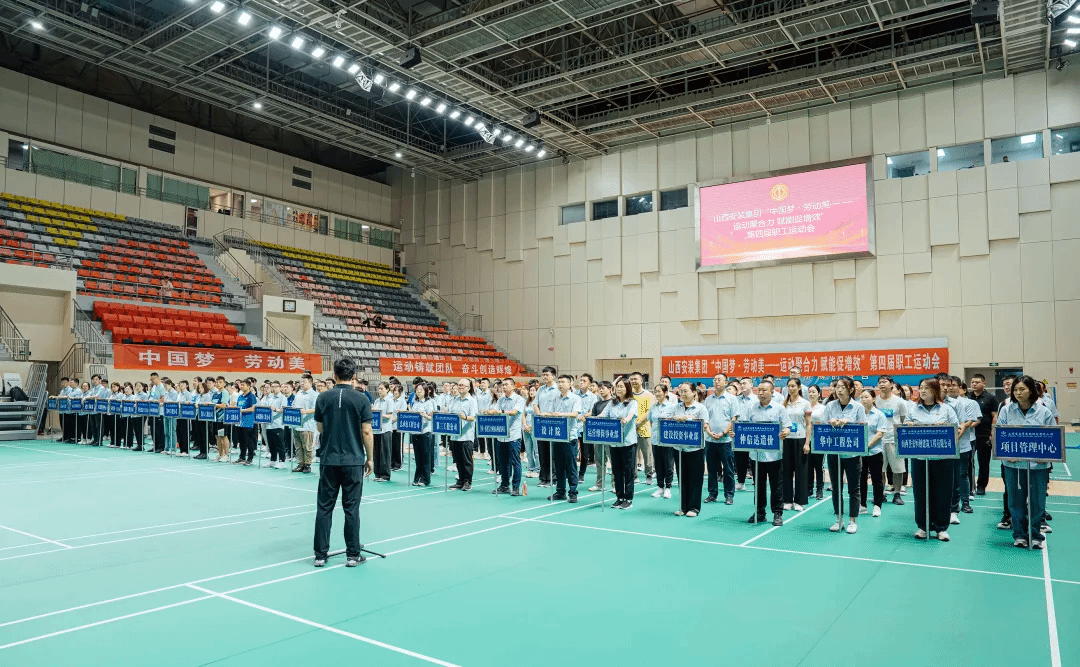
(551, 469)
(603, 476)
(207, 427)
(101, 425)
(1029, 517)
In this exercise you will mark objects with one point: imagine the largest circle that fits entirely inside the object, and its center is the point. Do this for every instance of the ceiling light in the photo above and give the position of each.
(37, 25)
(530, 148)
(455, 114)
(254, 201)
(941, 152)
(339, 61)
(1073, 31)
(25, 146)
(217, 6)
(1069, 43)
(354, 68)
(480, 127)
(397, 154)
(518, 143)
(441, 108)
(507, 137)
(469, 121)
(318, 52)
(496, 132)
(257, 105)
(426, 101)
(394, 87)
(410, 94)
(275, 32)
(379, 78)
(1027, 139)
(298, 42)
(244, 18)
(1073, 19)
(541, 154)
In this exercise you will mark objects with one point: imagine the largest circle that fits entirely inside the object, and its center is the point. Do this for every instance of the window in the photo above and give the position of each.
(1016, 149)
(639, 204)
(673, 199)
(909, 164)
(605, 209)
(1065, 140)
(571, 214)
(174, 191)
(954, 158)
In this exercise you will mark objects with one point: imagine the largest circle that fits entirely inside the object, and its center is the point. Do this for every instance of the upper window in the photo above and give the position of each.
(908, 164)
(1016, 149)
(954, 158)
(639, 204)
(605, 209)
(671, 199)
(1065, 140)
(572, 213)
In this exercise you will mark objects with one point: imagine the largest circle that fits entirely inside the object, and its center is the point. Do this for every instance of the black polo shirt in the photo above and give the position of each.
(989, 405)
(342, 411)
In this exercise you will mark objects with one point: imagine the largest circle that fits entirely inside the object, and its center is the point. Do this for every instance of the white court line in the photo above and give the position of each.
(797, 515)
(328, 628)
(1051, 612)
(78, 456)
(38, 537)
(6, 466)
(87, 476)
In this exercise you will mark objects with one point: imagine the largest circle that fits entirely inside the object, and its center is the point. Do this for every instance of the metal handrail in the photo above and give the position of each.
(429, 281)
(472, 322)
(252, 287)
(37, 389)
(10, 336)
(239, 238)
(100, 350)
(276, 340)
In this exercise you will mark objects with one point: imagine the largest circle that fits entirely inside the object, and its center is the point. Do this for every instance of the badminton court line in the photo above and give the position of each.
(797, 515)
(78, 456)
(38, 537)
(1051, 612)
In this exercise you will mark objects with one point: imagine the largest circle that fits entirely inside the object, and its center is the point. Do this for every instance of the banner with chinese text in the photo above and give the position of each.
(448, 368)
(213, 359)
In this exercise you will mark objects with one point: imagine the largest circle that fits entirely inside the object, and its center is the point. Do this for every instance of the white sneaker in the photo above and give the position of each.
(280, 465)
(798, 507)
(658, 493)
(595, 488)
(182, 454)
(877, 511)
(667, 493)
(534, 475)
(863, 510)
(921, 534)
(835, 527)
(451, 468)
(787, 506)
(740, 487)
(852, 527)
(943, 535)
(954, 520)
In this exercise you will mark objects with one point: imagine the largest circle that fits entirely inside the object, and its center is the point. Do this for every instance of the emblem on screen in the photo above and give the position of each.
(779, 192)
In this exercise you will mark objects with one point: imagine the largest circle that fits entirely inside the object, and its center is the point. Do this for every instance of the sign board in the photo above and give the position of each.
(492, 426)
(926, 442)
(291, 417)
(232, 416)
(445, 423)
(52, 403)
(847, 440)
(263, 414)
(63, 404)
(172, 410)
(188, 411)
(128, 408)
(115, 407)
(761, 437)
(76, 404)
(554, 429)
(685, 435)
(206, 412)
(410, 422)
(376, 420)
(145, 408)
(605, 431)
(1038, 444)
(103, 406)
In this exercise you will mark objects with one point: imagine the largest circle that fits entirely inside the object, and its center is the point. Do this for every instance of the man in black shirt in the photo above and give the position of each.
(343, 416)
(989, 406)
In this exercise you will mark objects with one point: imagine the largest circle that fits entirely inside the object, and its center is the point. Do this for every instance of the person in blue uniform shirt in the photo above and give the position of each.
(842, 409)
(766, 410)
(930, 410)
(564, 454)
(691, 460)
(1024, 409)
(508, 449)
(719, 457)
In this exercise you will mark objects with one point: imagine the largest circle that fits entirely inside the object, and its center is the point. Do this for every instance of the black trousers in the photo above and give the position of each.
(796, 467)
(691, 467)
(81, 422)
(248, 437)
(623, 461)
(183, 434)
(742, 464)
(983, 450)
(544, 452)
(120, 433)
(664, 463)
(67, 426)
(135, 431)
(421, 446)
(275, 442)
(383, 447)
(395, 451)
(941, 489)
(463, 459)
(852, 468)
(159, 433)
(769, 474)
(93, 429)
(587, 456)
(565, 467)
(350, 481)
(872, 469)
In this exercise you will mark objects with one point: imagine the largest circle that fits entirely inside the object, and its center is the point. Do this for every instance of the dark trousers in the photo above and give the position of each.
(721, 460)
(961, 482)
(275, 442)
(421, 444)
(623, 461)
(588, 456)
(768, 475)
(93, 429)
(982, 453)
(463, 459)
(67, 425)
(382, 449)
(544, 452)
(350, 481)
(941, 486)
(565, 455)
(107, 422)
(852, 467)
(691, 475)
(289, 444)
(664, 464)
(120, 433)
(183, 434)
(742, 464)
(509, 458)
(198, 436)
(159, 433)
(796, 467)
(872, 468)
(395, 452)
(81, 422)
(247, 437)
(135, 431)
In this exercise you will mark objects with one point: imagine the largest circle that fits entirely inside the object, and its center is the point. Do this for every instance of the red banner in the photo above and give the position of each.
(904, 361)
(155, 357)
(448, 368)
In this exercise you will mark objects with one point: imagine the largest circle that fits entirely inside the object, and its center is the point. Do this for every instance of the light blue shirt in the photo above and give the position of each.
(545, 396)
(275, 403)
(156, 392)
(569, 405)
(721, 409)
(658, 411)
(769, 414)
(425, 407)
(618, 410)
(512, 403)
(385, 406)
(466, 407)
(588, 400)
(305, 400)
(966, 410)
(878, 423)
(795, 413)
(1037, 415)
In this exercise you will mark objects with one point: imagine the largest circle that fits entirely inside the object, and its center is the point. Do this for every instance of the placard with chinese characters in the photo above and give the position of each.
(750, 436)
(605, 431)
(448, 368)
(215, 359)
(684, 435)
(848, 439)
(926, 442)
(1038, 444)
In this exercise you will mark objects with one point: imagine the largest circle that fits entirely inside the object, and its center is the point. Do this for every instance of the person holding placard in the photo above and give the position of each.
(509, 447)
(937, 475)
(841, 410)
(532, 455)
(93, 420)
(588, 400)
(691, 462)
(383, 436)
(204, 396)
(604, 392)
(545, 397)
(464, 406)
(719, 457)
(275, 430)
(564, 454)
(969, 414)
(796, 455)
(816, 478)
(766, 410)
(894, 407)
(170, 395)
(136, 423)
(1024, 409)
(873, 462)
(663, 456)
(246, 433)
(745, 399)
(422, 442)
(304, 436)
(624, 408)
(183, 433)
(401, 404)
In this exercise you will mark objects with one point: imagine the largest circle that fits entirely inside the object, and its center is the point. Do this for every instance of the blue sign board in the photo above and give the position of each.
(1038, 444)
(492, 426)
(145, 408)
(605, 431)
(172, 410)
(685, 435)
(103, 406)
(232, 416)
(206, 412)
(263, 415)
(376, 420)
(115, 407)
(410, 422)
(554, 429)
(844, 440)
(63, 404)
(52, 403)
(762, 437)
(446, 423)
(187, 411)
(291, 417)
(926, 442)
(76, 404)
(128, 408)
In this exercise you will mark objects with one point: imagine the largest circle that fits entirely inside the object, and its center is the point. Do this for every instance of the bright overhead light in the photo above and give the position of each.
(244, 18)
(257, 105)
(1027, 139)
(354, 68)
(37, 25)
(480, 127)
(941, 152)
(397, 154)
(394, 87)
(379, 78)
(339, 61)
(254, 201)
(1073, 19)
(217, 6)
(410, 94)
(530, 148)
(541, 154)
(518, 143)
(507, 137)
(455, 114)
(426, 101)
(496, 132)
(1073, 31)
(298, 42)
(1069, 43)
(275, 32)
(469, 121)
(441, 108)
(318, 52)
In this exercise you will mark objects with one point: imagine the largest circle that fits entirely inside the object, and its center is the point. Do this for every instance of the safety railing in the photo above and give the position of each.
(238, 238)
(99, 349)
(37, 389)
(18, 346)
(472, 322)
(274, 339)
(252, 287)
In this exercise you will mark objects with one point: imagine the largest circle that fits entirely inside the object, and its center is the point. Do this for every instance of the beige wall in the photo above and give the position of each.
(296, 326)
(39, 302)
(985, 256)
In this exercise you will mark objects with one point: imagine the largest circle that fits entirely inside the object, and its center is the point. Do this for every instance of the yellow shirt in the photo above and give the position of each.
(645, 401)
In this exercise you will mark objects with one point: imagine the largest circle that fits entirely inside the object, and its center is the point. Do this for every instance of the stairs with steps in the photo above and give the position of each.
(18, 420)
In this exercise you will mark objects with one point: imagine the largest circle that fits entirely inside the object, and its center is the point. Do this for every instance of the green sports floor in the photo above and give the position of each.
(112, 557)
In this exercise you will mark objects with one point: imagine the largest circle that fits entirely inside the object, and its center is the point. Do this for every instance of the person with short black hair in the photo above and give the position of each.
(461, 445)
(1024, 408)
(343, 419)
(246, 434)
(564, 454)
(545, 398)
(382, 451)
(988, 406)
